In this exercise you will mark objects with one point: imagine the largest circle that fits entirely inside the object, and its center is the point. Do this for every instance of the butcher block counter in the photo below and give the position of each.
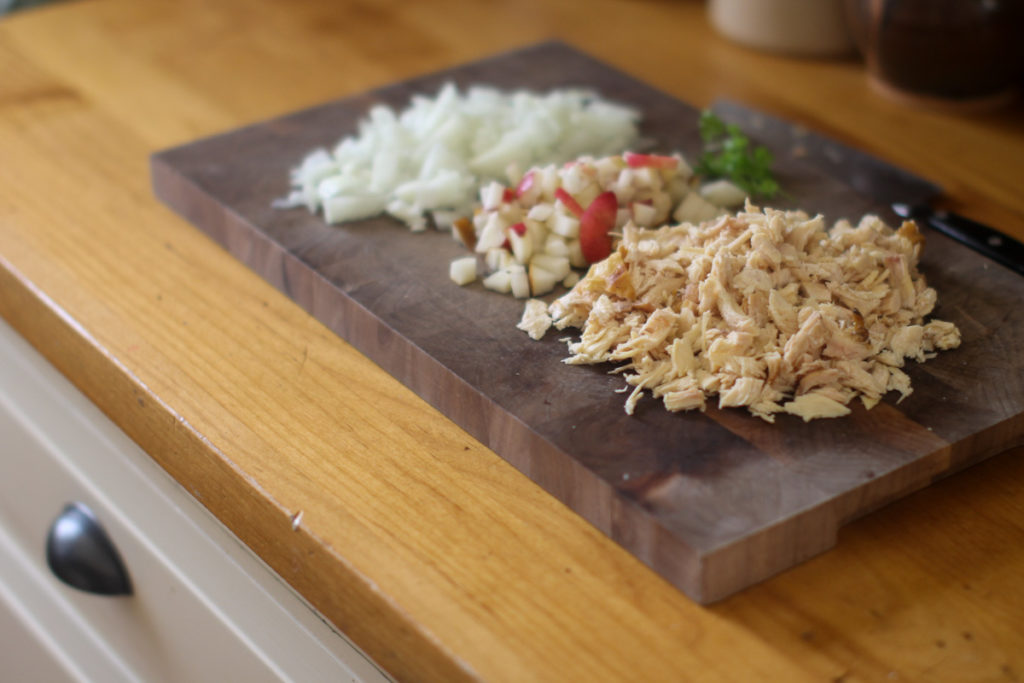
(432, 553)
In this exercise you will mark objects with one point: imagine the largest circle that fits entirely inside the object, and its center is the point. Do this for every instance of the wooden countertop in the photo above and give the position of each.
(429, 551)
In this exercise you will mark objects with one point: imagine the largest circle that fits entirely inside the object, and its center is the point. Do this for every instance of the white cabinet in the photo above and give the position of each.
(203, 607)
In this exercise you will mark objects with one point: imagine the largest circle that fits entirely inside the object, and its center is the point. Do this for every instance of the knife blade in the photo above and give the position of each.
(983, 239)
(908, 195)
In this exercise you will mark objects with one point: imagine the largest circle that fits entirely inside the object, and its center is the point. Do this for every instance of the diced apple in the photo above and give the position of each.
(462, 228)
(462, 271)
(547, 179)
(570, 280)
(623, 187)
(650, 160)
(528, 190)
(569, 202)
(677, 188)
(519, 282)
(696, 209)
(542, 281)
(647, 178)
(723, 193)
(499, 281)
(644, 214)
(573, 181)
(663, 207)
(540, 212)
(595, 226)
(588, 194)
(492, 235)
(537, 232)
(524, 184)
(491, 195)
(683, 170)
(497, 258)
(557, 265)
(480, 219)
(564, 224)
(522, 244)
(608, 169)
(576, 254)
(556, 246)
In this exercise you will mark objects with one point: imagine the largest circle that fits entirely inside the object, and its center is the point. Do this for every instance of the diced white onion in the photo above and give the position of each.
(352, 207)
(434, 154)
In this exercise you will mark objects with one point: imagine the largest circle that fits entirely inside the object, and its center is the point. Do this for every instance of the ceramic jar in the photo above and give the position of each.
(806, 28)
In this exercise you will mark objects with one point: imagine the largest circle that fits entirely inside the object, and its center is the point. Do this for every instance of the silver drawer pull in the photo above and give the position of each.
(81, 555)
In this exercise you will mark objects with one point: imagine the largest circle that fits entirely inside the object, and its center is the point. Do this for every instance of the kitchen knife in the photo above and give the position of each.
(983, 239)
(908, 195)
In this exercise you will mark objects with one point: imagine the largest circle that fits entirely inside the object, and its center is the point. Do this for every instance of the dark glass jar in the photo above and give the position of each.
(956, 51)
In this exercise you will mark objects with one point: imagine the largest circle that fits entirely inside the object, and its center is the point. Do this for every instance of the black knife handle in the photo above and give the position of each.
(983, 239)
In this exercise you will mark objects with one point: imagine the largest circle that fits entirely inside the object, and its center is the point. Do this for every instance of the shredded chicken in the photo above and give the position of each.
(765, 309)
(535, 321)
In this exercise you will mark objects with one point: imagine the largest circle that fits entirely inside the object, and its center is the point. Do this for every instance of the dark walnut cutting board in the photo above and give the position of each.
(713, 501)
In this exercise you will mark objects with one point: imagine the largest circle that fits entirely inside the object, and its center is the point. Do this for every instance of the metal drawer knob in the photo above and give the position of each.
(81, 555)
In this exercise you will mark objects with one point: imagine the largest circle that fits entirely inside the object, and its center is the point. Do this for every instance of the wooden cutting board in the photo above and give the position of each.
(713, 501)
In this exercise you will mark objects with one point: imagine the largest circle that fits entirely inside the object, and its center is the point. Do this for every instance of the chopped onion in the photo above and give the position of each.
(433, 156)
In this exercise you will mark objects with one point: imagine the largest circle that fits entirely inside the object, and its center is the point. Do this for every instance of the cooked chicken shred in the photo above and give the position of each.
(536, 320)
(765, 309)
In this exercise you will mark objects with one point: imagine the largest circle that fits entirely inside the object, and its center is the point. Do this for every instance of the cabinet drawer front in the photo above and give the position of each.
(203, 608)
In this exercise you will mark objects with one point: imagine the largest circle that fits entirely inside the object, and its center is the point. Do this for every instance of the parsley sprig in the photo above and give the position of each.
(728, 153)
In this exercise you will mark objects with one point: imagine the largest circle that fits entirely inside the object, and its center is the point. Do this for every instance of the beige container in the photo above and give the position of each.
(812, 28)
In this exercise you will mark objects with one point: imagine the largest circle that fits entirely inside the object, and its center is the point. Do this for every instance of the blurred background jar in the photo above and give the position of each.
(947, 53)
(802, 28)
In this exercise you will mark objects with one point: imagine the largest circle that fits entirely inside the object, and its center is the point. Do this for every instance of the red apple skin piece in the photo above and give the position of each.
(596, 224)
(508, 195)
(525, 184)
(570, 203)
(650, 160)
(519, 229)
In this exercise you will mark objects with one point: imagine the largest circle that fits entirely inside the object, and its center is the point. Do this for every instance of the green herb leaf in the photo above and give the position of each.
(729, 154)
(710, 126)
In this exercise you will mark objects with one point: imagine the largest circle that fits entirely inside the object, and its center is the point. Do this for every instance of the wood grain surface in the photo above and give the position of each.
(432, 553)
(715, 501)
